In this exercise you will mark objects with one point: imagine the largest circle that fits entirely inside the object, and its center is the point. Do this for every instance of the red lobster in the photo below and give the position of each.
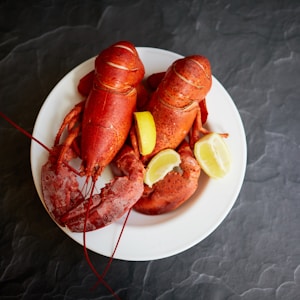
(178, 108)
(97, 130)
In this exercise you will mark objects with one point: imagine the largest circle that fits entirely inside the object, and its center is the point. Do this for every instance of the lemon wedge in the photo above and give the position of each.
(160, 165)
(212, 154)
(146, 131)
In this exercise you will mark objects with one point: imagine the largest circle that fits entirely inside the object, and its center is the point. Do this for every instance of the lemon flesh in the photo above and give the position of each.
(146, 131)
(160, 165)
(213, 155)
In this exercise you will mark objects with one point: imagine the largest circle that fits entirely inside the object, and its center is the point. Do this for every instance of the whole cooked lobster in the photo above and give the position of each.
(97, 129)
(179, 109)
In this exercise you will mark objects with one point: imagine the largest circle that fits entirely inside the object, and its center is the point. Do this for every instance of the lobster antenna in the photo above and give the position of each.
(26, 133)
(23, 131)
(86, 254)
(117, 244)
(100, 280)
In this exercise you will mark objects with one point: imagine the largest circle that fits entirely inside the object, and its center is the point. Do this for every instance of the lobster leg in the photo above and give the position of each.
(67, 145)
(114, 200)
(177, 187)
(86, 83)
(197, 128)
(70, 120)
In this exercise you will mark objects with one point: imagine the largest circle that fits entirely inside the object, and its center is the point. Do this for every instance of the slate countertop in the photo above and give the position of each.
(254, 49)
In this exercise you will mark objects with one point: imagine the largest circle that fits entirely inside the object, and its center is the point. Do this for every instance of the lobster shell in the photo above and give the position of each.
(110, 105)
(101, 137)
(175, 103)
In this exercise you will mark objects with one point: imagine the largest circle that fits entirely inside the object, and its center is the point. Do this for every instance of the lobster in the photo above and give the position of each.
(175, 103)
(179, 109)
(97, 129)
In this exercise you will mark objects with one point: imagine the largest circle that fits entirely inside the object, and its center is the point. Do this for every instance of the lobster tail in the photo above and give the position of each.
(119, 67)
(187, 80)
(175, 104)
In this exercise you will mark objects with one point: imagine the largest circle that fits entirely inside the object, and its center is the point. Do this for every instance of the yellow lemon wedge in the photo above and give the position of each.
(146, 131)
(160, 165)
(212, 154)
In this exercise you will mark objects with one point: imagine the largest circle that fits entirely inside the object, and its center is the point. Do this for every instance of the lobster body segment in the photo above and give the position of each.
(118, 67)
(173, 123)
(187, 80)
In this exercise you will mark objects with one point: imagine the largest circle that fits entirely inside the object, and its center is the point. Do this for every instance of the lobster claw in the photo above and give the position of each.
(176, 187)
(114, 200)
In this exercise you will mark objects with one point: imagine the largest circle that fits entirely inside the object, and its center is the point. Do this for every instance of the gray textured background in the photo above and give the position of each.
(254, 49)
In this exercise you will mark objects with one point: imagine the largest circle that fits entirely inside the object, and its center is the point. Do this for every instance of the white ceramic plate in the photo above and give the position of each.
(153, 237)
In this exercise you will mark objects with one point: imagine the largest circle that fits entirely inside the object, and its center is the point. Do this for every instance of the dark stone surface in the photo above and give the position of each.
(254, 49)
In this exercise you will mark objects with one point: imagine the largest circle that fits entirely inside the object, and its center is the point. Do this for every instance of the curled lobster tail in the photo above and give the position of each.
(187, 80)
(175, 103)
(119, 67)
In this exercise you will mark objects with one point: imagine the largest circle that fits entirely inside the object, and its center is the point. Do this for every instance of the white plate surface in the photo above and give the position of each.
(153, 237)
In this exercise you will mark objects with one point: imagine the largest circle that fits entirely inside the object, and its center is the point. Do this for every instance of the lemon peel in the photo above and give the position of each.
(146, 131)
(160, 165)
(213, 155)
